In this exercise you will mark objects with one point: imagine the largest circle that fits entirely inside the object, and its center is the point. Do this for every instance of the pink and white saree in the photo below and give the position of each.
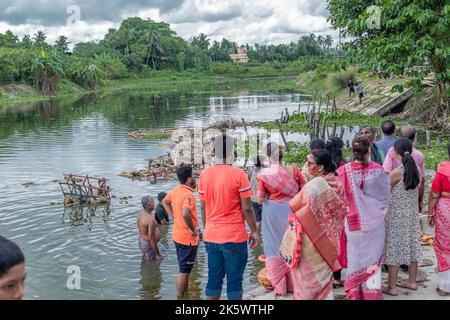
(367, 191)
(320, 209)
(277, 185)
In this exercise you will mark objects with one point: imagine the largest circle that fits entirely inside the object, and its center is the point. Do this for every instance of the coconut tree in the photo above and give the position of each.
(127, 34)
(39, 38)
(153, 38)
(62, 44)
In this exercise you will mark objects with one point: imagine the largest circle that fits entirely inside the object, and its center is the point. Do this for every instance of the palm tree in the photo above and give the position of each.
(127, 34)
(154, 45)
(62, 44)
(39, 37)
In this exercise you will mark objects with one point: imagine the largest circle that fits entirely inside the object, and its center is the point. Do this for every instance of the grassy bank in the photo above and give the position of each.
(266, 77)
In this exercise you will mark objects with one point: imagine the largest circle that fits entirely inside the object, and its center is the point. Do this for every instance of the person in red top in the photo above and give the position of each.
(439, 216)
(180, 204)
(225, 199)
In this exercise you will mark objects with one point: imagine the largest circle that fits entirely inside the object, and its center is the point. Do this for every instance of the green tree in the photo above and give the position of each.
(412, 33)
(8, 39)
(127, 35)
(154, 46)
(39, 38)
(26, 41)
(201, 41)
(62, 44)
(48, 68)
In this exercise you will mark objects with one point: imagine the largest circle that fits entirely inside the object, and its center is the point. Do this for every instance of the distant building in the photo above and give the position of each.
(241, 56)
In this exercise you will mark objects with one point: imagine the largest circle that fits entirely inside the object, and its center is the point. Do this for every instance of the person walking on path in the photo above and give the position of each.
(225, 199)
(180, 204)
(351, 88)
(360, 92)
(402, 245)
(276, 186)
(439, 217)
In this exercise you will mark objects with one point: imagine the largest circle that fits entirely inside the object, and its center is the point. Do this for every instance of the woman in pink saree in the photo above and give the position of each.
(320, 209)
(367, 192)
(276, 186)
(439, 216)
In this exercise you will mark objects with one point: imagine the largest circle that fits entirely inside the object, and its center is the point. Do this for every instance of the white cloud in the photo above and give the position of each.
(249, 21)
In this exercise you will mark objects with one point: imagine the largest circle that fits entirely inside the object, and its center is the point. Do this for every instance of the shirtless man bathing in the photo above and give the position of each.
(149, 235)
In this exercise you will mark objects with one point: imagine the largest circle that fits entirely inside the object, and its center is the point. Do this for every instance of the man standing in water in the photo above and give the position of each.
(180, 204)
(149, 234)
(225, 198)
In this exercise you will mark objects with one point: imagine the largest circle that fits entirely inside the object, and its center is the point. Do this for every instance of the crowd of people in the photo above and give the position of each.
(332, 214)
(361, 215)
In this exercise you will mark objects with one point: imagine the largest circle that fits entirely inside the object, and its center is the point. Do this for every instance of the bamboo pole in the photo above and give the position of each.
(334, 130)
(341, 134)
(282, 136)
(324, 126)
(247, 143)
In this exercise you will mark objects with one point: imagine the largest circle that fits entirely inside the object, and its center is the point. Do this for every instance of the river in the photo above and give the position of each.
(41, 141)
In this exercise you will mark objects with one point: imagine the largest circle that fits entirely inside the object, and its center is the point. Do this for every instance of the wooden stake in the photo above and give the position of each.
(324, 127)
(282, 136)
(334, 130)
(247, 142)
(428, 133)
(341, 134)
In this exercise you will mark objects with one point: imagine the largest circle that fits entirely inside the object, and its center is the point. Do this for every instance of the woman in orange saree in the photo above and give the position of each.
(320, 210)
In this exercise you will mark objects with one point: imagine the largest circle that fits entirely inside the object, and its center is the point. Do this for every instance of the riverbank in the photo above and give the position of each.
(159, 81)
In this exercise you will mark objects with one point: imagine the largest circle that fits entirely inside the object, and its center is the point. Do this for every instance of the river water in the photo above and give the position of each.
(41, 141)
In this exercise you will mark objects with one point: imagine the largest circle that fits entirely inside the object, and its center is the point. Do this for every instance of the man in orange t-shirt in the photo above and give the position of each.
(225, 198)
(180, 204)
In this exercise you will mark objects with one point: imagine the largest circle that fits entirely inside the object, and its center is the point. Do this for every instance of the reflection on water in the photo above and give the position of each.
(39, 142)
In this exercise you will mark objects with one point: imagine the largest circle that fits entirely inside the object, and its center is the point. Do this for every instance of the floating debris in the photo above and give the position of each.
(189, 145)
(28, 184)
(154, 134)
(79, 190)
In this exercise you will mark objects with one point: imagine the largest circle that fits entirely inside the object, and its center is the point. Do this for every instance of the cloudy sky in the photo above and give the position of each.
(243, 21)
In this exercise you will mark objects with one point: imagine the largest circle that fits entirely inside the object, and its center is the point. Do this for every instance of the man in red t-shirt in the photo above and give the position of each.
(225, 198)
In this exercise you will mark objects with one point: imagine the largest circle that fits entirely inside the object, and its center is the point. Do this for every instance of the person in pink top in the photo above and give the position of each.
(225, 199)
(391, 162)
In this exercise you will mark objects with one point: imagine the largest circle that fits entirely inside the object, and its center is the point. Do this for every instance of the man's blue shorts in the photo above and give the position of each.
(186, 256)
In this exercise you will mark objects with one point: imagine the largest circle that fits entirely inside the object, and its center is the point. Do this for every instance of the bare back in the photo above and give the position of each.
(146, 224)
